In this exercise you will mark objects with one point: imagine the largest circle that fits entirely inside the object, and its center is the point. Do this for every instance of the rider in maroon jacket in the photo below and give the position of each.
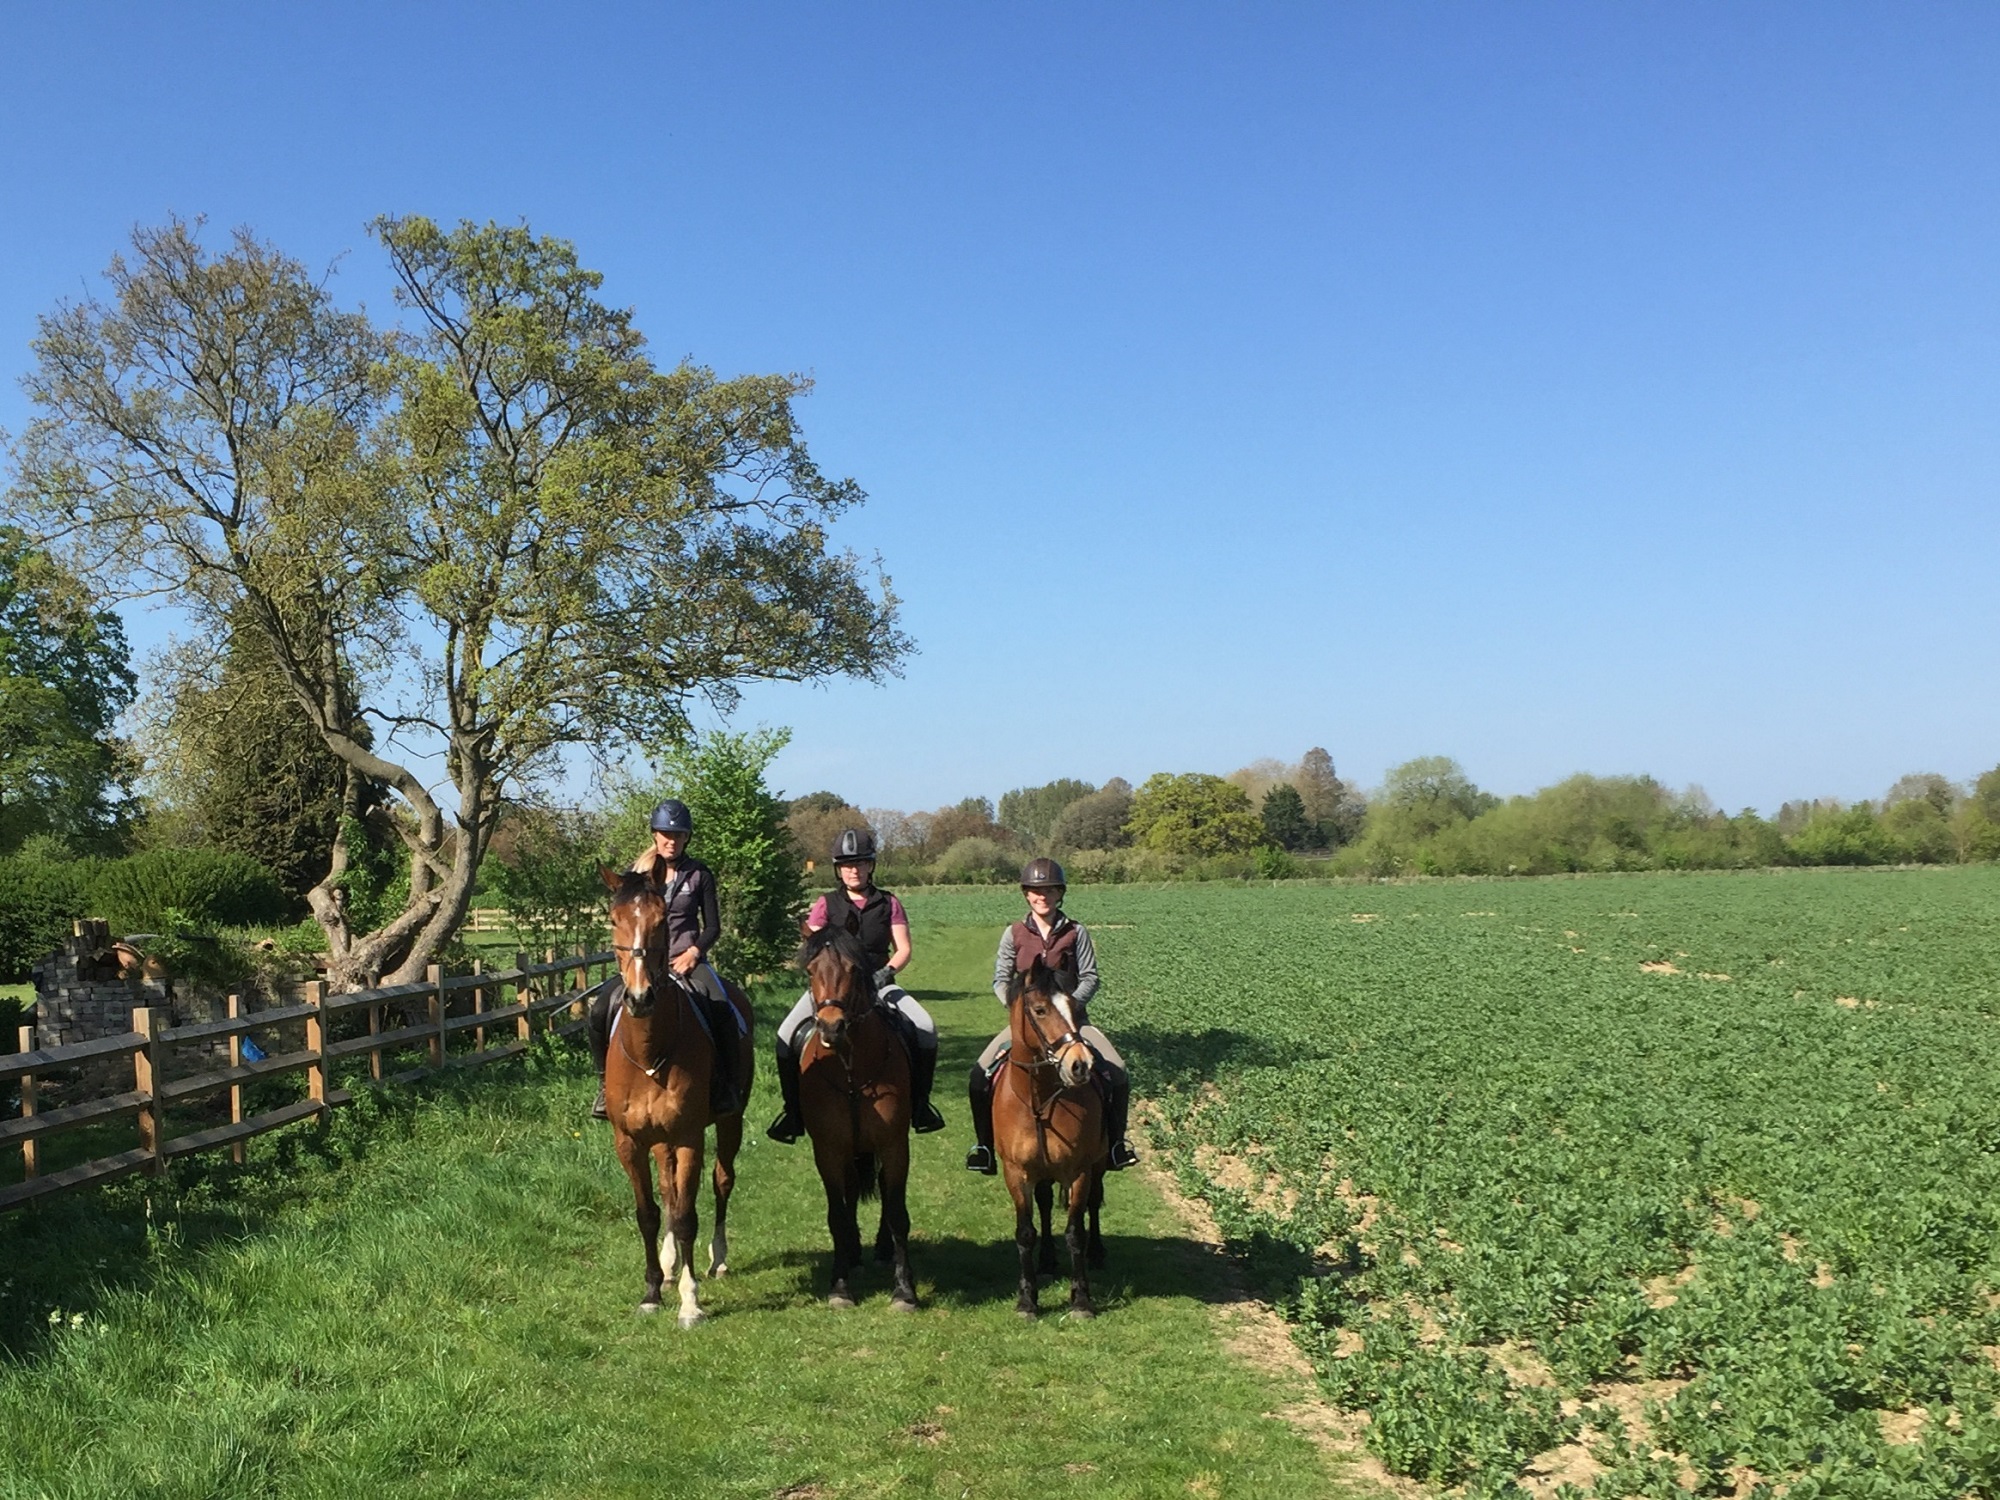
(1065, 948)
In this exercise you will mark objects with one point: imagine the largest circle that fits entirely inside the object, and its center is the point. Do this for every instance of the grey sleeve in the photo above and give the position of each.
(1086, 966)
(1003, 965)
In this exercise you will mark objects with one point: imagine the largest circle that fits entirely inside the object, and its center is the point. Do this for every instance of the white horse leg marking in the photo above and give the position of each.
(691, 1312)
(670, 1255)
(718, 1254)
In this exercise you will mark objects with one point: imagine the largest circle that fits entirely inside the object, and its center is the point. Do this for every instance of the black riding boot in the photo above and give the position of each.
(979, 1094)
(722, 1098)
(924, 1116)
(1117, 1099)
(597, 1021)
(791, 1120)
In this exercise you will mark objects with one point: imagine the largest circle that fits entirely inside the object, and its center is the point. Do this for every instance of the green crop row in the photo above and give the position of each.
(1698, 1174)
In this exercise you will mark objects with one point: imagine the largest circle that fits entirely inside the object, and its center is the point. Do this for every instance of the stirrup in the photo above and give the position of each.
(599, 1110)
(1122, 1156)
(925, 1119)
(784, 1130)
(980, 1159)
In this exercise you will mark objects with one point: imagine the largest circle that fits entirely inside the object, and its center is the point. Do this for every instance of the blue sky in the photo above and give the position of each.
(1557, 387)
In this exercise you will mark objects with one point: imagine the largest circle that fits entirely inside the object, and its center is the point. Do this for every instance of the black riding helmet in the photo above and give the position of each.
(855, 846)
(1042, 874)
(672, 816)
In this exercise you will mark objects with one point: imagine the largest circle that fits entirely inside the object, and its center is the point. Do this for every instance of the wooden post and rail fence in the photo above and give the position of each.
(449, 1020)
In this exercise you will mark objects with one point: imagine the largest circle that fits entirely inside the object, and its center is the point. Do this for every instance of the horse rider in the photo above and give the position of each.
(1064, 948)
(877, 918)
(694, 922)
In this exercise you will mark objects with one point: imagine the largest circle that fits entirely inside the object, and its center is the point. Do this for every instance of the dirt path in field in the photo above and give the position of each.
(1254, 1333)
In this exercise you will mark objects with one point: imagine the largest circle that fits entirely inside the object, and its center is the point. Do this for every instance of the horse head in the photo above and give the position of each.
(1045, 1019)
(836, 974)
(638, 934)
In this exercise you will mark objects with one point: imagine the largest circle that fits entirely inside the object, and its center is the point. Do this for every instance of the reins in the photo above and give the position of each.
(1043, 1111)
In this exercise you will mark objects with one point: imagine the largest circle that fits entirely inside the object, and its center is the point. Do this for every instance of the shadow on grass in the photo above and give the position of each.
(959, 1272)
(1183, 1059)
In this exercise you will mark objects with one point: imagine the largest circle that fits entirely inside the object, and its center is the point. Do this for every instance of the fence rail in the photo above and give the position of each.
(452, 1019)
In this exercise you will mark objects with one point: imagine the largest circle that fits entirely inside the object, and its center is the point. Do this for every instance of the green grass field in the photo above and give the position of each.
(1653, 1185)
(435, 1297)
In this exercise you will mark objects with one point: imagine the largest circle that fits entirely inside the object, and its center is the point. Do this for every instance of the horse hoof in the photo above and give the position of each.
(1083, 1312)
(689, 1320)
(903, 1304)
(840, 1302)
(1026, 1314)
(719, 1270)
(648, 1308)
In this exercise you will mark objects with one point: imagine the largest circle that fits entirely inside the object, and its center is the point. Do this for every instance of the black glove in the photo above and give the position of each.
(884, 977)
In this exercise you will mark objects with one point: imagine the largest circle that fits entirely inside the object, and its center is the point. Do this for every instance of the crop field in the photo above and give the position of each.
(1631, 1185)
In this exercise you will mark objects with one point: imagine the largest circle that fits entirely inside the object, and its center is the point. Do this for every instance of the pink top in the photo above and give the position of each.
(816, 918)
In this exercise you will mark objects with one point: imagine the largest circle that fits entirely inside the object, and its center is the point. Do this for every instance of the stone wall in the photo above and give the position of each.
(88, 988)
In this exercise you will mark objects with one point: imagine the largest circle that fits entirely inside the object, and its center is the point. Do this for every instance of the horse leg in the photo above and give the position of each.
(896, 1222)
(1079, 1269)
(728, 1139)
(1095, 1248)
(1024, 1237)
(1045, 1200)
(632, 1157)
(683, 1215)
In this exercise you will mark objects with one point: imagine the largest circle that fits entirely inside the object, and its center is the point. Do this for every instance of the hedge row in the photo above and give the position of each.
(202, 888)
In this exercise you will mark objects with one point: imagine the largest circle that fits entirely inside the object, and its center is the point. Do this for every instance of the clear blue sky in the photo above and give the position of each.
(1558, 387)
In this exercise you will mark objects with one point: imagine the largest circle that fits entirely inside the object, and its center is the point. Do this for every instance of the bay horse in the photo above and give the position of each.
(1048, 1130)
(656, 1090)
(854, 1090)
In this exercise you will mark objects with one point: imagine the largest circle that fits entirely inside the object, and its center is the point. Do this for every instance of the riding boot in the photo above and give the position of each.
(785, 1129)
(1117, 1099)
(979, 1095)
(924, 1116)
(598, 1024)
(722, 1098)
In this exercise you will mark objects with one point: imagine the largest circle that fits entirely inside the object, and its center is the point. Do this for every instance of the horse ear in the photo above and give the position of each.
(611, 878)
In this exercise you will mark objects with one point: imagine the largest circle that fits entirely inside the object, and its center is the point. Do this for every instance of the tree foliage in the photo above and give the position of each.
(1284, 817)
(548, 878)
(817, 819)
(238, 764)
(495, 532)
(1030, 812)
(64, 680)
(1097, 821)
(1193, 815)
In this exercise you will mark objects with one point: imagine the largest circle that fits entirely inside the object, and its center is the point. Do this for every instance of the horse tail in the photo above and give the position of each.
(869, 1173)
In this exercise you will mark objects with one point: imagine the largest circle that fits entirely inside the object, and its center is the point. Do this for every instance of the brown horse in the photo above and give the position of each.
(656, 1089)
(1048, 1129)
(854, 1089)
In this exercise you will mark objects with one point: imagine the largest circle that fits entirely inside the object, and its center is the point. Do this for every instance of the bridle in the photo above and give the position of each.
(641, 952)
(1050, 1049)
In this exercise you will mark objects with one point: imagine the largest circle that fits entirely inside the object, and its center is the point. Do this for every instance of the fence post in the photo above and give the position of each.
(579, 981)
(524, 993)
(236, 1089)
(30, 1092)
(375, 1053)
(434, 977)
(315, 996)
(146, 1071)
(478, 1005)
